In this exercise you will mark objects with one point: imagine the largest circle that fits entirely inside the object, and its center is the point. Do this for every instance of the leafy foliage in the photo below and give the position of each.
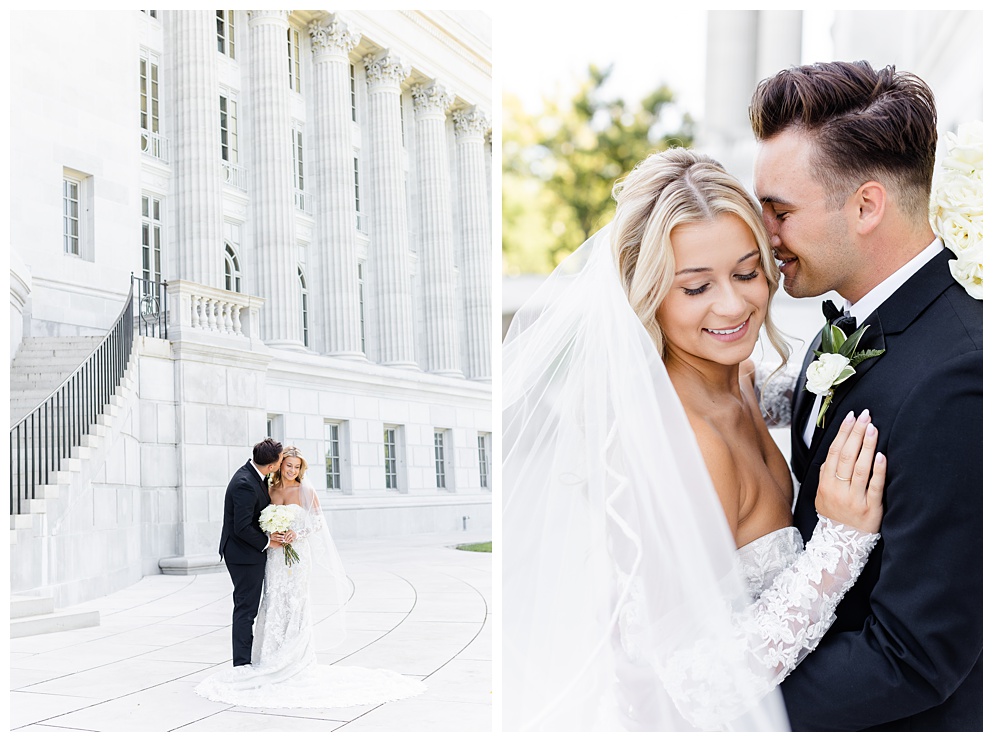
(560, 166)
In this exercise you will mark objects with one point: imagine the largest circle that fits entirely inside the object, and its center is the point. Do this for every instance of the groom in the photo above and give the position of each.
(244, 543)
(843, 172)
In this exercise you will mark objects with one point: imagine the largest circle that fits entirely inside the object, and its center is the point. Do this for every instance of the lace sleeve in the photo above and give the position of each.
(774, 391)
(776, 632)
(793, 614)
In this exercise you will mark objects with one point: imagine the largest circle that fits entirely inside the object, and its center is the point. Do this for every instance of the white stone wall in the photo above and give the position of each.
(20, 293)
(307, 392)
(74, 106)
(202, 398)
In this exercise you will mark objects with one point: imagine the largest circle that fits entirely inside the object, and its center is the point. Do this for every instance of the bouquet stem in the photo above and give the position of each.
(290, 555)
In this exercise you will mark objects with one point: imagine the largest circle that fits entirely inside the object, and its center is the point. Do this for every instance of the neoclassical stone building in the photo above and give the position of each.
(304, 199)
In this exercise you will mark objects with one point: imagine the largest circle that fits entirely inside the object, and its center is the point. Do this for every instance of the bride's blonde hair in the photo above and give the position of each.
(667, 189)
(288, 453)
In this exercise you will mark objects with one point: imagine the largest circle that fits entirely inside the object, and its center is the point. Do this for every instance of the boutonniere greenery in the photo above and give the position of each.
(835, 363)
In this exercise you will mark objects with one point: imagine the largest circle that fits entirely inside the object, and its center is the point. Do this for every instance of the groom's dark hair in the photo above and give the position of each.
(267, 452)
(866, 124)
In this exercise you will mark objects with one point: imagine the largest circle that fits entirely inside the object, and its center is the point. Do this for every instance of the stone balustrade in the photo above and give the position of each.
(204, 309)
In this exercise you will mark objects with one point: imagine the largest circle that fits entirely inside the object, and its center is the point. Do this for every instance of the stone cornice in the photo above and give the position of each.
(457, 45)
(334, 38)
(433, 99)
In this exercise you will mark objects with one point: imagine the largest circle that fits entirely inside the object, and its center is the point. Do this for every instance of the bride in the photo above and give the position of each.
(302, 614)
(651, 576)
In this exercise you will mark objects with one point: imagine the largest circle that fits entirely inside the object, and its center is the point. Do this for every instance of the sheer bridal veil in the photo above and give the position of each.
(617, 558)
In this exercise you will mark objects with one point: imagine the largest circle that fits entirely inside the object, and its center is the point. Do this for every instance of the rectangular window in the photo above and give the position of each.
(225, 32)
(332, 454)
(293, 49)
(274, 426)
(482, 443)
(439, 459)
(305, 317)
(71, 197)
(351, 87)
(358, 203)
(148, 92)
(390, 452)
(362, 307)
(151, 238)
(297, 143)
(229, 129)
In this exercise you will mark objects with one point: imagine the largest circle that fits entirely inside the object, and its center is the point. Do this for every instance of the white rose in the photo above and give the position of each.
(965, 147)
(827, 371)
(968, 270)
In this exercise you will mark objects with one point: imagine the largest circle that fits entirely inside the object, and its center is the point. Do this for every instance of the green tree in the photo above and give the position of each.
(560, 166)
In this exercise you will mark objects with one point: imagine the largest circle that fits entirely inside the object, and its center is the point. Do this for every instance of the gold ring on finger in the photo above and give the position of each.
(842, 478)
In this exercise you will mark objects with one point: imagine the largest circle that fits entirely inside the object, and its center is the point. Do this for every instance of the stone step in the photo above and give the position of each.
(23, 607)
(52, 623)
(61, 341)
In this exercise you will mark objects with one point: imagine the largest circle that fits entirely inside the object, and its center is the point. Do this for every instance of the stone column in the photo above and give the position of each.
(732, 51)
(271, 179)
(434, 181)
(337, 299)
(388, 237)
(475, 237)
(192, 41)
(780, 35)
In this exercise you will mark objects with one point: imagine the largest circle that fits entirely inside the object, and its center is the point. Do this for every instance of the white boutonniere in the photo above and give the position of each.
(836, 362)
(957, 205)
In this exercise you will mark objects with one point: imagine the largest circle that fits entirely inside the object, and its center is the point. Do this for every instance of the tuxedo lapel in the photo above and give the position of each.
(893, 317)
(803, 404)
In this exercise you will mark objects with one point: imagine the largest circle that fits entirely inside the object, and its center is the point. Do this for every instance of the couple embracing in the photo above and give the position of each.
(290, 590)
(661, 569)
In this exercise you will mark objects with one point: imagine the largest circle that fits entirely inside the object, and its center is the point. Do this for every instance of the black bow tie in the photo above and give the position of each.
(840, 319)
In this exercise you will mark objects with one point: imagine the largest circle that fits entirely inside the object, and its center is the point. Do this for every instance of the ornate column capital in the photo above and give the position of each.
(259, 17)
(471, 123)
(385, 70)
(334, 38)
(432, 100)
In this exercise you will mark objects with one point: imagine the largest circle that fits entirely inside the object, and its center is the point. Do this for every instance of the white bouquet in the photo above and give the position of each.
(278, 519)
(957, 205)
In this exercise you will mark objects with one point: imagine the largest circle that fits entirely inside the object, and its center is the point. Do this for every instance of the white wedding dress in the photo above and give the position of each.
(625, 603)
(792, 593)
(285, 672)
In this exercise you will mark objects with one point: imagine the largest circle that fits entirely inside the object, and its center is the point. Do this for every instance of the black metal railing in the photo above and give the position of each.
(152, 309)
(46, 435)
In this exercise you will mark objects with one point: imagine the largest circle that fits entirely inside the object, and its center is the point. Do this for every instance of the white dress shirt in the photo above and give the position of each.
(864, 307)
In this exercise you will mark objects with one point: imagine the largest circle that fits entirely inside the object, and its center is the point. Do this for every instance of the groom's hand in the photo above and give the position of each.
(274, 543)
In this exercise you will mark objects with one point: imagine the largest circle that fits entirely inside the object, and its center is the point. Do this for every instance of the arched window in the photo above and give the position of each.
(232, 270)
(303, 306)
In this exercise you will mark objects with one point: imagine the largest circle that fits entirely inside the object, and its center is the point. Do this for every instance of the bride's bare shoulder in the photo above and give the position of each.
(720, 464)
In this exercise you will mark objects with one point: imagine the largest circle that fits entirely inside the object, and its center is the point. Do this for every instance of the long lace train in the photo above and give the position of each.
(284, 672)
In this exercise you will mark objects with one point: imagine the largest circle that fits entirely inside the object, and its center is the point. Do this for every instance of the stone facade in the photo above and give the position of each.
(305, 188)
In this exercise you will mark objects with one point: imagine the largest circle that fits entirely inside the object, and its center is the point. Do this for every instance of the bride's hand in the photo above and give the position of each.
(846, 493)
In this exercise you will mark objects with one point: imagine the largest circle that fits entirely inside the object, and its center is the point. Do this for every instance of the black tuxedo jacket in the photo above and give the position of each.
(905, 652)
(241, 535)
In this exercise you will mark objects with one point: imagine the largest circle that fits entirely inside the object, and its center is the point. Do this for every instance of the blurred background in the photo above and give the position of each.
(596, 93)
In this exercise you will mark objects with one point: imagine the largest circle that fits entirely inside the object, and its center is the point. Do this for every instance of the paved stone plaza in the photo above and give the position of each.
(420, 607)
